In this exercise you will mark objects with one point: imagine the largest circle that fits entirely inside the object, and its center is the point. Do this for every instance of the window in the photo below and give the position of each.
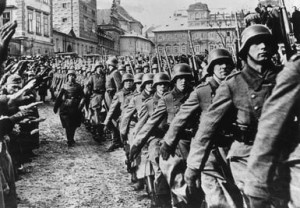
(46, 25)
(160, 37)
(30, 21)
(85, 8)
(64, 19)
(183, 49)
(197, 49)
(38, 23)
(160, 49)
(93, 13)
(6, 17)
(94, 26)
(168, 49)
(64, 5)
(176, 49)
(85, 24)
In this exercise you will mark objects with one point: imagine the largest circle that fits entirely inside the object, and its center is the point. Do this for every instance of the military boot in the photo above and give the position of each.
(139, 185)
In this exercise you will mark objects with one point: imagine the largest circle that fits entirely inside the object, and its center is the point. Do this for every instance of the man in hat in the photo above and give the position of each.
(127, 126)
(236, 107)
(118, 105)
(70, 102)
(113, 85)
(217, 192)
(166, 109)
(157, 185)
(95, 88)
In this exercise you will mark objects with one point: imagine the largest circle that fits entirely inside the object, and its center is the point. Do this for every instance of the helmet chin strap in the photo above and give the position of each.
(217, 78)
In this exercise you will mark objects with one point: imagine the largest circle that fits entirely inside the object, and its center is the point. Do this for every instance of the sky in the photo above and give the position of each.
(156, 12)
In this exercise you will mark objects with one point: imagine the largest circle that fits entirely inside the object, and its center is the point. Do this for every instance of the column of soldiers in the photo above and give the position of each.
(189, 143)
(230, 140)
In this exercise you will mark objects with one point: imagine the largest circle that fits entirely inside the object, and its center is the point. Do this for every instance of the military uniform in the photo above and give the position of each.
(69, 102)
(277, 141)
(96, 88)
(161, 187)
(113, 84)
(127, 126)
(167, 108)
(238, 101)
(217, 191)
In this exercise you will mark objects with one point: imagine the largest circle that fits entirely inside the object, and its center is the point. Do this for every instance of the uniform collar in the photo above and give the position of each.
(177, 94)
(126, 92)
(213, 84)
(255, 79)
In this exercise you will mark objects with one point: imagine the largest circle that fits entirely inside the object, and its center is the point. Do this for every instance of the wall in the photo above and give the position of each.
(134, 45)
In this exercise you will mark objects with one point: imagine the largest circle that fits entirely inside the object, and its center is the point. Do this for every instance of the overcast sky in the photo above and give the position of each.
(156, 12)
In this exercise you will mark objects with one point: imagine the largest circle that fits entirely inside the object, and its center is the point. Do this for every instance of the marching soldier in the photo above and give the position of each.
(131, 114)
(118, 103)
(95, 88)
(276, 144)
(113, 85)
(219, 67)
(160, 192)
(237, 107)
(70, 102)
(167, 108)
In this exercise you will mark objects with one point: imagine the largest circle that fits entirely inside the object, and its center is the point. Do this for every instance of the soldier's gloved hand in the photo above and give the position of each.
(165, 151)
(134, 151)
(192, 179)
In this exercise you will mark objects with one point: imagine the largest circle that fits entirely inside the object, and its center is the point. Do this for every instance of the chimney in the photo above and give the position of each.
(118, 2)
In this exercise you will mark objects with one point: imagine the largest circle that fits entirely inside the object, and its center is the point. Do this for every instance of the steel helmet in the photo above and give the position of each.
(71, 71)
(217, 54)
(252, 32)
(138, 78)
(127, 77)
(147, 78)
(112, 61)
(161, 77)
(181, 70)
(121, 67)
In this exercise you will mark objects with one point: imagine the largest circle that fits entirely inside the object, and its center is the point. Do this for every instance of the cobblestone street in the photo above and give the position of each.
(82, 176)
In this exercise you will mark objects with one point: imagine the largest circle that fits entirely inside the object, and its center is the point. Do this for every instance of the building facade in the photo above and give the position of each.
(33, 35)
(204, 29)
(124, 29)
(133, 44)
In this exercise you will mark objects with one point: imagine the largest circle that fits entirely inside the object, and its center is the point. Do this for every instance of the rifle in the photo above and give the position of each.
(168, 63)
(158, 60)
(237, 42)
(133, 72)
(285, 27)
(194, 69)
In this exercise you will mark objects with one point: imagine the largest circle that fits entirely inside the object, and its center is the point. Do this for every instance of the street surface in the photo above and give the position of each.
(77, 177)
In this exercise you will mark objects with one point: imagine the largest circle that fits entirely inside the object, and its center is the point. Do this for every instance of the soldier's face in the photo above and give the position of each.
(181, 83)
(71, 77)
(222, 69)
(161, 88)
(128, 85)
(148, 87)
(260, 50)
